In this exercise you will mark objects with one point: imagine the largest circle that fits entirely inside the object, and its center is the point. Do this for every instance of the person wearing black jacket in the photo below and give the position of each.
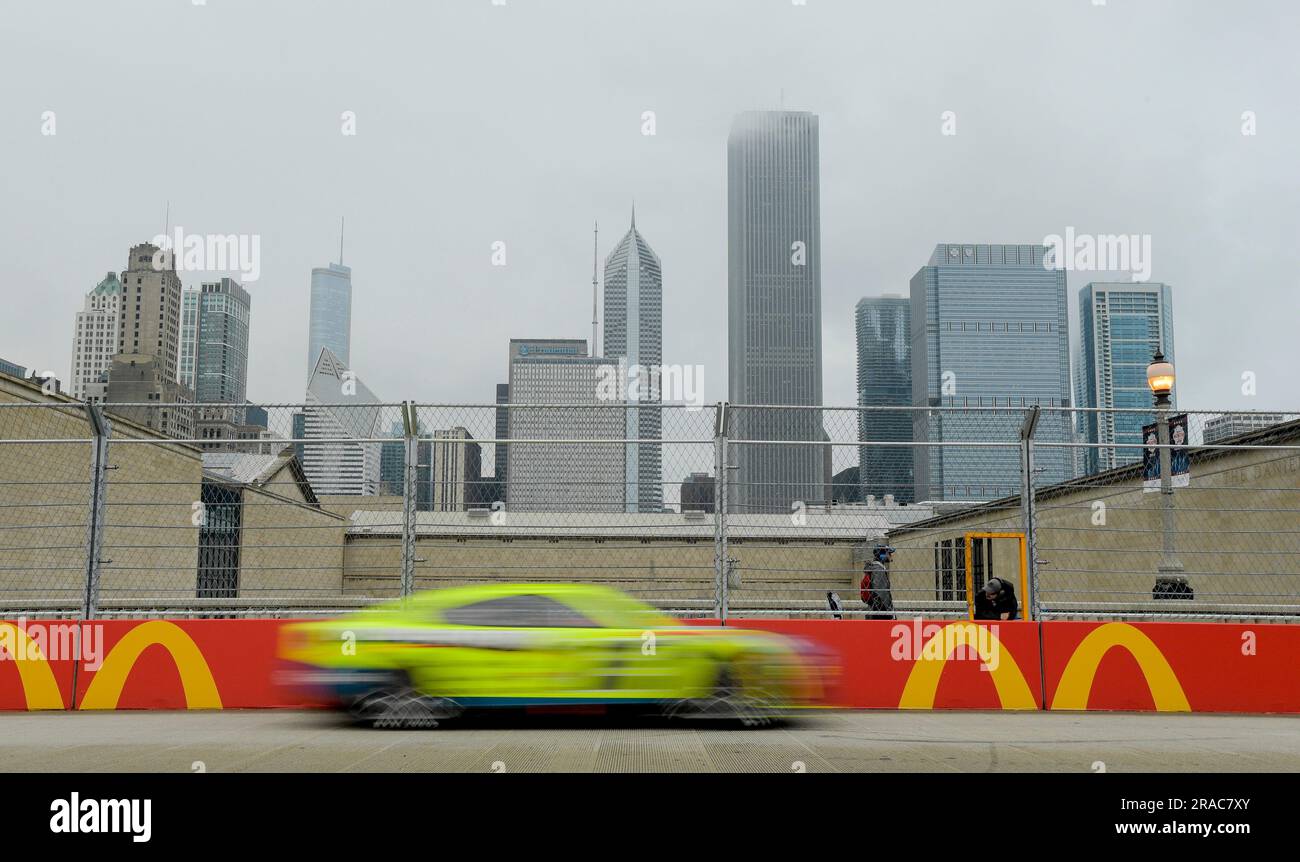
(997, 601)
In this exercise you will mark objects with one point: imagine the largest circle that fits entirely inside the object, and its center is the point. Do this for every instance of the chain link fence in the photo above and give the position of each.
(719, 511)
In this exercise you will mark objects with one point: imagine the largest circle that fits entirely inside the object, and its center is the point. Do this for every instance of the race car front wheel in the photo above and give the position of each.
(399, 706)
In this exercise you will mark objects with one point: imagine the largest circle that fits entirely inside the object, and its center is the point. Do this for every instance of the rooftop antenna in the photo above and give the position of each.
(595, 244)
(341, 221)
(167, 228)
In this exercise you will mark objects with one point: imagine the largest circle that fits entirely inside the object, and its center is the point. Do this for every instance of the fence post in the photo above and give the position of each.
(101, 428)
(410, 476)
(1027, 508)
(720, 512)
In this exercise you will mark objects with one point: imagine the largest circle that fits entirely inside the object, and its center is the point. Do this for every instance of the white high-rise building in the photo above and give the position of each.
(339, 409)
(457, 465)
(552, 382)
(95, 341)
(634, 334)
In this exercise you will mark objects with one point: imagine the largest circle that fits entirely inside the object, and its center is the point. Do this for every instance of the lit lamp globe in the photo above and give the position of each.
(1160, 377)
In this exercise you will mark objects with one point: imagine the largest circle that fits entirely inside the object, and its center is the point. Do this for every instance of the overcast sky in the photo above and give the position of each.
(477, 123)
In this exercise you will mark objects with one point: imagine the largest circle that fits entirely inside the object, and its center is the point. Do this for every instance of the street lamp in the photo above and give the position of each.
(1160, 377)
(1169, 574)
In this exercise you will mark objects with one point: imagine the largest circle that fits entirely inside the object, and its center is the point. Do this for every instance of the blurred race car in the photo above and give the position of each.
(411, 663)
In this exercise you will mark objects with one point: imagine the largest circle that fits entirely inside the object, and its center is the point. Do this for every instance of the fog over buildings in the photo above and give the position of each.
(520, 124)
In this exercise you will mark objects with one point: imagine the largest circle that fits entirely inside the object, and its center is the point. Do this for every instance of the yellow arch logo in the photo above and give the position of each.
(39, 685)
(923, 681)
(1076, 680)
(196, 676)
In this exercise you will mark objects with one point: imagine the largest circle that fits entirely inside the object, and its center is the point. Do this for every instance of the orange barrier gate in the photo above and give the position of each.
(883, 664)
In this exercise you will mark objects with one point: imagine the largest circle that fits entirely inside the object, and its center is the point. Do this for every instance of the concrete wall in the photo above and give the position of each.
(1236, 532)
(45, 504)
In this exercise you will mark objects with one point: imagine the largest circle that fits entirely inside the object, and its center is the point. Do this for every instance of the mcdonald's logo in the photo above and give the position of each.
(923, 681)
(1076, 680)
(196, 677)
(40, 688)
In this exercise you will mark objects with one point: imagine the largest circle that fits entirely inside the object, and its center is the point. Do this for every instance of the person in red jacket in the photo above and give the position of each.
(876, 592)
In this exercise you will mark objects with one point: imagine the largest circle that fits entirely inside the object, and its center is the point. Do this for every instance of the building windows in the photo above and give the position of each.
(218, 572)
(950, 567)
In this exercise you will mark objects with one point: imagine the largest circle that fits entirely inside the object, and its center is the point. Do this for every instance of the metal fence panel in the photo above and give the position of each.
(725, 511)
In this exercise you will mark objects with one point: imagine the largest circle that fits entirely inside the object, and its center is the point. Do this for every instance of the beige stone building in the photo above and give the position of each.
(1100, 538)
(148, 546)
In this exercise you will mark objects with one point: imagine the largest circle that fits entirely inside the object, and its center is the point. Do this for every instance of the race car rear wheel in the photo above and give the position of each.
(731, 699)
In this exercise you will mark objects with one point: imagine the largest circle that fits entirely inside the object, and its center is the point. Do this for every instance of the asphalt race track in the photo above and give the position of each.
(827, 741)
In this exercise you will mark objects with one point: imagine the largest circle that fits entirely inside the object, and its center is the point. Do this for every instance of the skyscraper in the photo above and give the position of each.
(884, 329)
(989, 329)
(214, 342)
(562, 477)
(774, 350)
(334, 464)
(1121, 326)
(456, 469)
(95, 341)
(634, 333)
(330, 325)
(149, 322)
(501, 449)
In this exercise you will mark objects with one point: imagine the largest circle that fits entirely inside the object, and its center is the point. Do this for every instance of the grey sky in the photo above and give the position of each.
(522, 123)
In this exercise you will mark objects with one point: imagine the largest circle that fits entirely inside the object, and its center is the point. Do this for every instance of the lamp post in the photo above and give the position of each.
(1160, 377)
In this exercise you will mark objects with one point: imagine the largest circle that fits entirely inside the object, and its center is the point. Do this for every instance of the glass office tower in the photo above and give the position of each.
(330, 324)
(1121, 326)
(884, 329)
(989, 330)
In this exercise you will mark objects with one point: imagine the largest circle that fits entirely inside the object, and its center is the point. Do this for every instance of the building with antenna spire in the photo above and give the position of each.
(330, 312)
(634, 339)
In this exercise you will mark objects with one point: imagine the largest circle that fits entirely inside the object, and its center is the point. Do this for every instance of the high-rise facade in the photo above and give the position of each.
(1121, 326)
(634, 334)
(456, 469)
(989, 330)
(1229, 425)
(149, 319)
(554, 389)
(774, 350)
(501, 449)
(330, 314)
(95, 342)
(339, 455)
(884, 331)
(214, 342)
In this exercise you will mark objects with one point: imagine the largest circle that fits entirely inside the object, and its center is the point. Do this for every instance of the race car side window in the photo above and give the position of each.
(525, 611)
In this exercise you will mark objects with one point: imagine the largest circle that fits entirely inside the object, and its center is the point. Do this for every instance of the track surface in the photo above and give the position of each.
(271, 740)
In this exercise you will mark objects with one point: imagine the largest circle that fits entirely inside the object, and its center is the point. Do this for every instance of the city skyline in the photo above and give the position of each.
(1166, 158)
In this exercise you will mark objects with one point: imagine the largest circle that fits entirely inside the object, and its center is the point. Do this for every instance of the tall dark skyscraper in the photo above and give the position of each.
(884, 328)
(774, 350)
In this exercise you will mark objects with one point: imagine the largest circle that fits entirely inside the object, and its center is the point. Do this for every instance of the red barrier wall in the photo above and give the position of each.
(36, 663)
(924, 665)
(908, 664)
(1201, 667)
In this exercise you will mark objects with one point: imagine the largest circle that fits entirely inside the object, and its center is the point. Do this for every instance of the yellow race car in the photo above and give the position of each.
(413, 662)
